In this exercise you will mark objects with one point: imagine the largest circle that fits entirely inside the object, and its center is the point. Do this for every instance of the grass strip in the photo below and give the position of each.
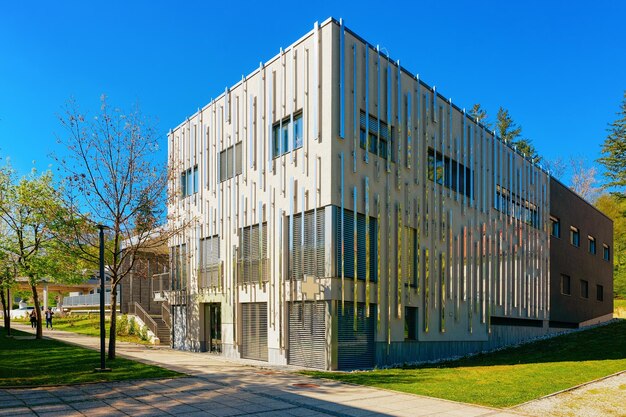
(25, 361)
(511, 376)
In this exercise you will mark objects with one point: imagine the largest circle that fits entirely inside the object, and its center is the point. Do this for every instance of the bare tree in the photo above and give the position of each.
(556, 167)
(115, 176)
(583, 179)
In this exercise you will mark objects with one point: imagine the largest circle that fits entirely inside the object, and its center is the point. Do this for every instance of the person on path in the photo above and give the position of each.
(49, 315)
(33, 319)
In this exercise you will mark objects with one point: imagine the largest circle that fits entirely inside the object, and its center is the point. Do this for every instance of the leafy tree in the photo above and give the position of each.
(614, 153)
(30, 209)
(8, 272)
(615, 208)
(115, 176)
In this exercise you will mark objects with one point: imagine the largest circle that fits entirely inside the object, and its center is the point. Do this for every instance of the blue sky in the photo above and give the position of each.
(558, 66)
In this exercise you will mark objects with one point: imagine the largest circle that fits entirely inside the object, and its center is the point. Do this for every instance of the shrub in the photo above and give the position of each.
(132, 326)
(143, 333)
(122, 325)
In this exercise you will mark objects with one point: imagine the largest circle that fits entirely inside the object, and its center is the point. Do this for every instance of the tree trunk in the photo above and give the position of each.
(38, 310)
(6, 311)
(113, 324)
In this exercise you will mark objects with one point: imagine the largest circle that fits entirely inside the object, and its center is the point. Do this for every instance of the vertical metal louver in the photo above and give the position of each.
(252, 257)
(307, 334)
(309, 258)
(348, 244)
(254, 331)
(356, 349)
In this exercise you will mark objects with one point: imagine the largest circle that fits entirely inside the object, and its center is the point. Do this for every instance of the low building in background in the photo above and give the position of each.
(347, 215)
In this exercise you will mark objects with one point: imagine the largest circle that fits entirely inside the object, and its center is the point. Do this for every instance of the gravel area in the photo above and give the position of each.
(598, 399)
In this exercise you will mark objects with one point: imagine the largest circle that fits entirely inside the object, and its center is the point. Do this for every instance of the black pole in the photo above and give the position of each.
(102, 279)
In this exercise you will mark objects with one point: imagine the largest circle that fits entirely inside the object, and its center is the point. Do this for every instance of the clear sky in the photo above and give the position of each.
(558, 66)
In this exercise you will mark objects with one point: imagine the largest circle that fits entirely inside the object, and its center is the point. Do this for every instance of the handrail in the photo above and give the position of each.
(166, 315)
(86, 300)
(145, 317)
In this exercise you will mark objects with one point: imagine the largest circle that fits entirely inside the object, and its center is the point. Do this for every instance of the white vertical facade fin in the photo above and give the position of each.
(316, 81)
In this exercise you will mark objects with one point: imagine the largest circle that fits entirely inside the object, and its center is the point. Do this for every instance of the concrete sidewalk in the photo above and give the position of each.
(219, 387)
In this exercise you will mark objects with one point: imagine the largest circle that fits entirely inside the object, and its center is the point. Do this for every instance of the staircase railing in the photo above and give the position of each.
(136, 309)
(165, 314)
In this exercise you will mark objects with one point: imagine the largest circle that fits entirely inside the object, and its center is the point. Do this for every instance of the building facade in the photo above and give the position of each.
(581, 260)
(348, 215)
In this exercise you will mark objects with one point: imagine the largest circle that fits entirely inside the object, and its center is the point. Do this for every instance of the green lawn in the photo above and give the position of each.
(25, 361)
(511, 376)
(88, 325)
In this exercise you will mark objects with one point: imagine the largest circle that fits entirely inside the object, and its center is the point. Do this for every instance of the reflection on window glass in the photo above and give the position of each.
(280, 135)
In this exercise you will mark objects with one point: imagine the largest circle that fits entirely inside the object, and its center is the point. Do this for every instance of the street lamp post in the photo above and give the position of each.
(103, 367)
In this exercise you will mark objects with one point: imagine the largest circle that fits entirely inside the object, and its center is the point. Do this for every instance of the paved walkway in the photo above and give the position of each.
(219, 387)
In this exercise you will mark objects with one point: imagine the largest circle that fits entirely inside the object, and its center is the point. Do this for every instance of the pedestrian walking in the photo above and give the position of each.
(49, 315)
(33, 319)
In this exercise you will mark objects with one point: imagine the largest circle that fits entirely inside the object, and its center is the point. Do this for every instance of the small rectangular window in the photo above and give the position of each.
(606, 253)
(183, 184)
(275, 141)
(574, 236)
(592, 245)
(298, 134)
(599, 293)
(280, 135)
(584, 288)
(556, 226)
(238, 157)
(566, 285)
(189, 182)
(410, 323)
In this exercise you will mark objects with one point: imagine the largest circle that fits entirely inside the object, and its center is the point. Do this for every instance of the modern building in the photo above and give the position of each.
(347, 215)
(581, 260)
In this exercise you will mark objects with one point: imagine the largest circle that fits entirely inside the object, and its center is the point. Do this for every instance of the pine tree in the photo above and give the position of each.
(614, 153)
(480, 115)
(506, 128)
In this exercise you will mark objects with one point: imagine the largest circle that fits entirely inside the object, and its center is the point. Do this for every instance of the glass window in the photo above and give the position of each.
(566, 287)
(285, 138)
(275, 141)
(599, 293)
(280, 135)
(574, 236)
(183, 184)
(195, 179)
(592, 245)
(298, 134)
(238, 165)
(606, 253)
(410, 323)
(584, 288)
(189, 186)
(556, 226)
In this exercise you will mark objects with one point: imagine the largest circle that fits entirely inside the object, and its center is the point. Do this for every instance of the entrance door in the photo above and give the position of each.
(212, 327)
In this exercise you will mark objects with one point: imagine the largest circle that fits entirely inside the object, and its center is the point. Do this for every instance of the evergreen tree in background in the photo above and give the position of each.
(614, 153)
(615, 208)
(480, 115)
(506, 128)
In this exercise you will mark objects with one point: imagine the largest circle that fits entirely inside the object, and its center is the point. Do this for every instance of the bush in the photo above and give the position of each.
(132, 326)
(143, 333)
(122, 325)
